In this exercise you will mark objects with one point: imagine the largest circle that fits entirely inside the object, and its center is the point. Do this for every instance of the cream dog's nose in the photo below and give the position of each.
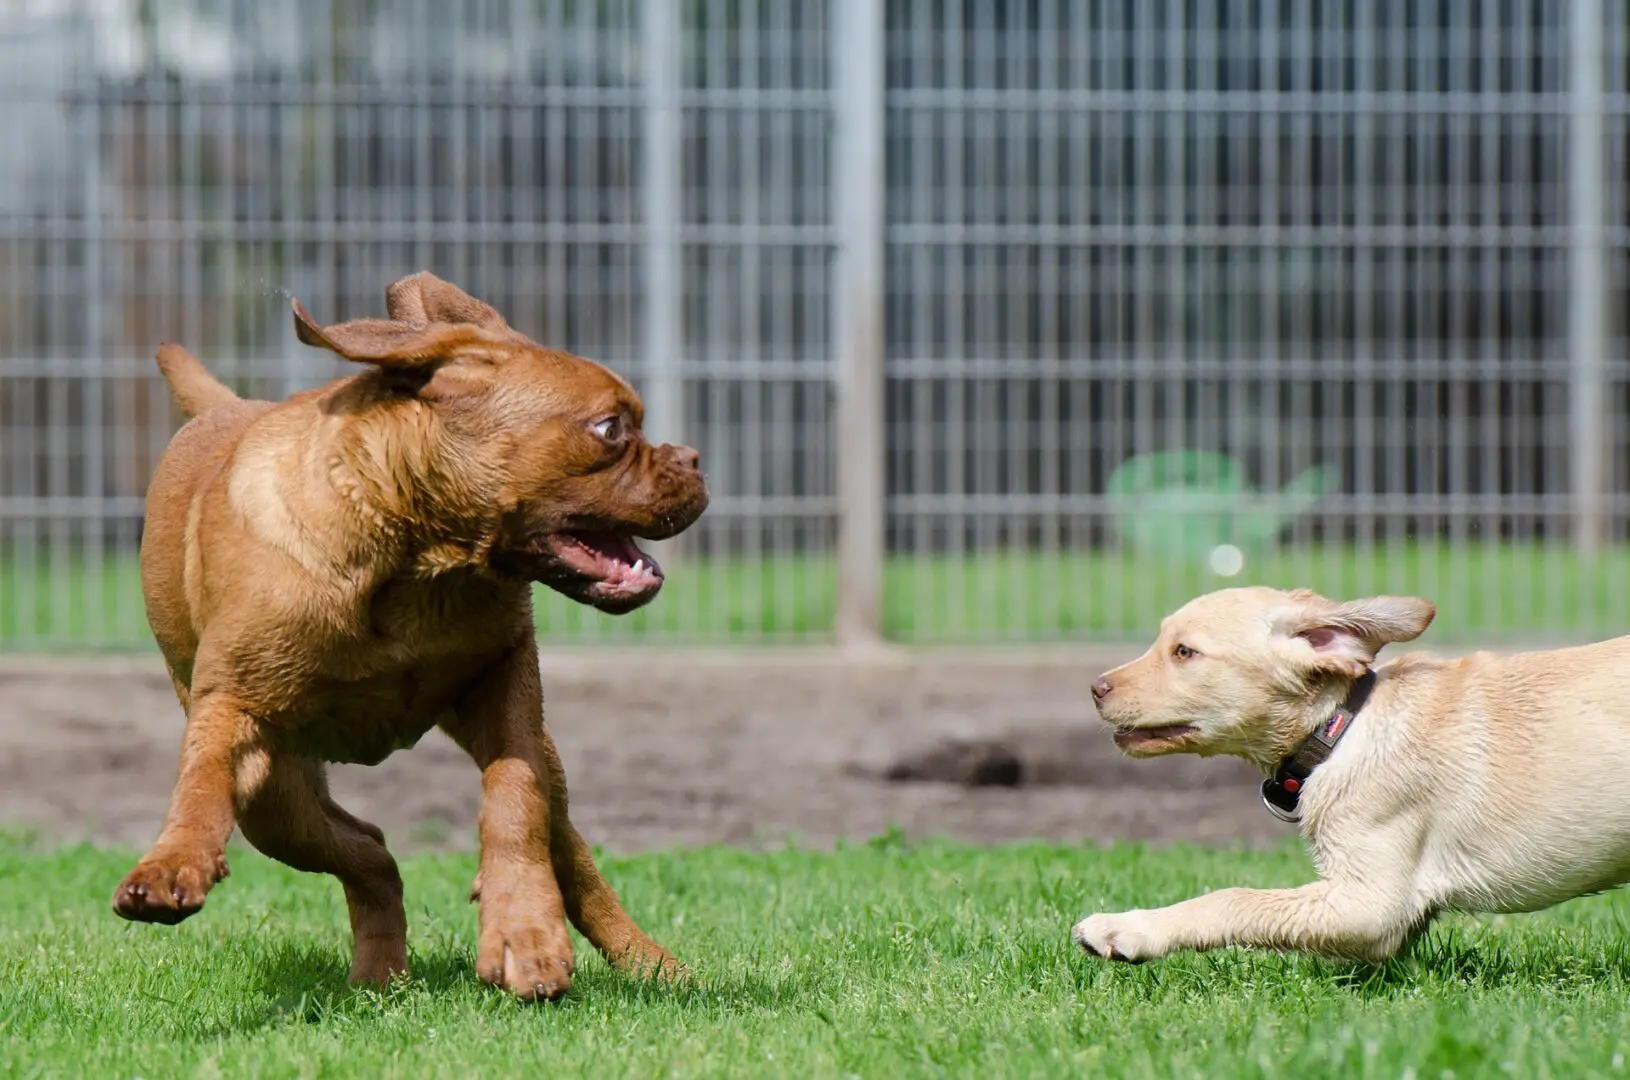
(1101, 689)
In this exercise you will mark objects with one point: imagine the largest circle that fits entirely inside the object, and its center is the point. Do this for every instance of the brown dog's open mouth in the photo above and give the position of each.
(608, 569)
(1152, 739)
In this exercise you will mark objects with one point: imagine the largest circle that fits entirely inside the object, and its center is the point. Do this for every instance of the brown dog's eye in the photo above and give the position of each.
(1183, 652)
(610, 429)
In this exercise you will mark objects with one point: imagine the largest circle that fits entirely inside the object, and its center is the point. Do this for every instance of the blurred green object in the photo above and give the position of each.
(1186, 503)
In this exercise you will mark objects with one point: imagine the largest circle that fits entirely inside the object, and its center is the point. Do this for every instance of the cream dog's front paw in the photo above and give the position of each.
(1129, 936)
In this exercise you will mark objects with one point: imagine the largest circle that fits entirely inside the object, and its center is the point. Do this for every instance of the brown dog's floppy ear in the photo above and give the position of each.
(1345, 637)
(389, 343)
(426, 298)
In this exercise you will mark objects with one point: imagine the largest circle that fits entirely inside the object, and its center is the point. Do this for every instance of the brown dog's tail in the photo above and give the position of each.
(191, 384)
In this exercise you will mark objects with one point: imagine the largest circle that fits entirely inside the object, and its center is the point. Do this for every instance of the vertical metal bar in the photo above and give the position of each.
(1149, 308)
(817, 471)
(421, 132)
(324, 117)
(984, 264)
(858, 332)
(1108, 37)
(1364, 183)
(1588, 342)
(1395, 280)
(775, 534)
(1454, 283)
(923, 395)
(747, 210)
(1057, 35)
(955, 284)
(1495, 435)
(96, 529)
(714, 121)
(1184, 427)
(285, 253)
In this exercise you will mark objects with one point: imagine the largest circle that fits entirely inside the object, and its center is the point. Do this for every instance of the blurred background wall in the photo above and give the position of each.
(1067, 309)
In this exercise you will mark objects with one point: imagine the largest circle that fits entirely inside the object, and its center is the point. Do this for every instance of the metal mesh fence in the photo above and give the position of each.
(1176, 294)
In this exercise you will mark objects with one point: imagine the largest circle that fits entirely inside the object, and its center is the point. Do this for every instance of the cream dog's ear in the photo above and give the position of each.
(391, 344)
(1344, 638)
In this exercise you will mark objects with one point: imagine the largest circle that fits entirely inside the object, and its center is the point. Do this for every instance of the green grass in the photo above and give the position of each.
(878, 960)
(1485, 592)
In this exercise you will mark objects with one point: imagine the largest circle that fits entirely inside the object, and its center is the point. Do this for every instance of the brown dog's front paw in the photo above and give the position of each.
(533, 963)
(167, 889)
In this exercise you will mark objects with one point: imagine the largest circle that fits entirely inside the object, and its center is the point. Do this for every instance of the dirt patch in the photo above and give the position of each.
(678, 749)
(1050, 757)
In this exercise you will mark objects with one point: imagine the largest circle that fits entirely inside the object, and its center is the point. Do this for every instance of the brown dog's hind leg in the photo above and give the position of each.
(218, 758)
(292, 819)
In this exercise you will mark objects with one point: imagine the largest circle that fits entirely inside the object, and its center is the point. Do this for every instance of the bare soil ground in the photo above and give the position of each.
(666, 749)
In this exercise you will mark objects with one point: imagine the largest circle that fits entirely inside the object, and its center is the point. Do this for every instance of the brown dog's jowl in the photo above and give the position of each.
(330, 576)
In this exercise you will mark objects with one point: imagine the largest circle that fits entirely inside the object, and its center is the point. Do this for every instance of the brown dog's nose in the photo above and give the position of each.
(1101, 689)
(689, 457)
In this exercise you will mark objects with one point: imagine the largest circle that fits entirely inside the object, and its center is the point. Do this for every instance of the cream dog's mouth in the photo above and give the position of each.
(613, 573)
(1147, 739)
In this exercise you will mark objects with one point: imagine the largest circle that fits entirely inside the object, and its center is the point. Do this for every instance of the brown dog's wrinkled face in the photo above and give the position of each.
(540, 450)
(1233, 672)
(583, 483)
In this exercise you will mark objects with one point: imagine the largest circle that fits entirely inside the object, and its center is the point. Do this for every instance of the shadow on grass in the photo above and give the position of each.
(1443, 959)
(306, 984)
(1449, 956)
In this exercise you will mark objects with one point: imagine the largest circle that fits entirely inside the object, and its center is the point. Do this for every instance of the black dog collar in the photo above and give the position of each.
(1282, 792)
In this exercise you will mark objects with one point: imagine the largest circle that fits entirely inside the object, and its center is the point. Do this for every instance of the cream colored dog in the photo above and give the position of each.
(1482, 784)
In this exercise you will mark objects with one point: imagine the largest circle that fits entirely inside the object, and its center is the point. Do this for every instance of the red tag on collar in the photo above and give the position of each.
(1337, 724)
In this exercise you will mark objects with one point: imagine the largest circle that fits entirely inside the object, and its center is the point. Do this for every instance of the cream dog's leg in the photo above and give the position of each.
(1354, 921)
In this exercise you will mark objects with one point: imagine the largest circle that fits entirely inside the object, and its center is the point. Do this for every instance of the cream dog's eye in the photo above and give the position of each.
(1183, 652)
(609, 429)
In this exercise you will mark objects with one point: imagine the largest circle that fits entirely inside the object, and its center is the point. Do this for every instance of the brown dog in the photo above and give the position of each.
(332, 575)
